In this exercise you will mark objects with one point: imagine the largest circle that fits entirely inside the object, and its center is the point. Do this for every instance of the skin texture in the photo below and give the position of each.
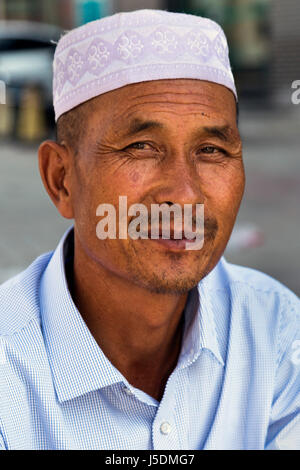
(131, 293)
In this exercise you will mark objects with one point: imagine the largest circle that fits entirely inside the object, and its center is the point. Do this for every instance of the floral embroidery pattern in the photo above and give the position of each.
(164, 42)
(75, 69)
(97, 57)
(129, 46)
(199, 45)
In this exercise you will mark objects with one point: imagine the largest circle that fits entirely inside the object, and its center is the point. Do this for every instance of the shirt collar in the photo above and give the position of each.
(200, 327)
(77, 362)
(207, 314)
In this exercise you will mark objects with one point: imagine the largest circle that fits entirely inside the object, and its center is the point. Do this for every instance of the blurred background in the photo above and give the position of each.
(264, 43)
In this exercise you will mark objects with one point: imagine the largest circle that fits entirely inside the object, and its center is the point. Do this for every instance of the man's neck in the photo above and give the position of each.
(139, 331)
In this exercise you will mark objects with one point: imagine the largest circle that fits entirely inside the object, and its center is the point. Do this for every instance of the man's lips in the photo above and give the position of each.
(171, 244)
(174, 235)
(176, 241)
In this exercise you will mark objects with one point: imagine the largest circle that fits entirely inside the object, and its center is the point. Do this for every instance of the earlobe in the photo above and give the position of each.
(55, 165)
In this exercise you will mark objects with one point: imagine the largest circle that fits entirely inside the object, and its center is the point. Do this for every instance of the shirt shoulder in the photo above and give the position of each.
(264, 301)
(19, 297)
(255, 281)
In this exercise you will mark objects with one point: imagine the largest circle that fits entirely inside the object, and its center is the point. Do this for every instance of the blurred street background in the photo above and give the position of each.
(264, 43)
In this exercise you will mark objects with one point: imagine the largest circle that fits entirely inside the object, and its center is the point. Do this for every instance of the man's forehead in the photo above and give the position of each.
(188, 95)
(165, 89)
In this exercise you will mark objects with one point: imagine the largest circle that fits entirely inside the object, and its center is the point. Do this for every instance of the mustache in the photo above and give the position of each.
(211, 228)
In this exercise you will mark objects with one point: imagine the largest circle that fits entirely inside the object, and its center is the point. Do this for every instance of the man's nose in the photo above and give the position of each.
(180, 184)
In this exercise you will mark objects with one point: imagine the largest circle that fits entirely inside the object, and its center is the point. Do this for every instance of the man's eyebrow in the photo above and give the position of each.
(224, 133)
(138, 125)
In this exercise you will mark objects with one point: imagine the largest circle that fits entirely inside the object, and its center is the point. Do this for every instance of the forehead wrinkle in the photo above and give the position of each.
(172, 86)
(130, 103)
(127, 115)
(132, 106)
(167, 94)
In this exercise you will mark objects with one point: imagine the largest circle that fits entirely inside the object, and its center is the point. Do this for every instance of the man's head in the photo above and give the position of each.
(167, 140)
(192, 155)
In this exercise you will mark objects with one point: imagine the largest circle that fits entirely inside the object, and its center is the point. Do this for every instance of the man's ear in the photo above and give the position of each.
(55, 164)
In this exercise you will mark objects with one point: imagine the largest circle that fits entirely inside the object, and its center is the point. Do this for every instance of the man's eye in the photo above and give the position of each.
(138, 145)
(142, 150)
(210, 149)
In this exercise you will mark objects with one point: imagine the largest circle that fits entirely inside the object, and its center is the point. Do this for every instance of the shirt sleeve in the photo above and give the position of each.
(284, 426)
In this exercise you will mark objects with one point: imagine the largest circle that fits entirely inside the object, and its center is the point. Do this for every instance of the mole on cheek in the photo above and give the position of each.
(135, 176)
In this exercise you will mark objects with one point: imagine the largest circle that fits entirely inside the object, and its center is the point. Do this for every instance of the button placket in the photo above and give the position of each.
(164, 432)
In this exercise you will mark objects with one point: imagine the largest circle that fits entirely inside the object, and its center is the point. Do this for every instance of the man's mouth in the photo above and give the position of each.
(171, 234)
(175, 239)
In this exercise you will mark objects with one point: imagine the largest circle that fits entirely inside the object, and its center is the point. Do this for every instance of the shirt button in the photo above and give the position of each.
(127, 391)
(165, 428)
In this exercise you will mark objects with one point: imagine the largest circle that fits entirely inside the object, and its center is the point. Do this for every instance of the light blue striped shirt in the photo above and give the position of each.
(236, 384)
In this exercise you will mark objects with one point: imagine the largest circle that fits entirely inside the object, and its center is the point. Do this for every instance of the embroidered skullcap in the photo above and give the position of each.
(133, 47)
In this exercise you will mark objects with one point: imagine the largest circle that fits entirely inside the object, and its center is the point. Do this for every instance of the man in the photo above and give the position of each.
(123, 342)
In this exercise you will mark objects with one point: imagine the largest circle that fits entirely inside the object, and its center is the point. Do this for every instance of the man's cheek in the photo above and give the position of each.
(135, 178)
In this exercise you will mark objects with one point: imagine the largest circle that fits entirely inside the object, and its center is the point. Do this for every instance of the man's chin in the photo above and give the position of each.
(169, 272)
(172, 289)
(167, 283)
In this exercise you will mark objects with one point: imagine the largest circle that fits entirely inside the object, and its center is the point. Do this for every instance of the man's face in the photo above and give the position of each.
(188, 153)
